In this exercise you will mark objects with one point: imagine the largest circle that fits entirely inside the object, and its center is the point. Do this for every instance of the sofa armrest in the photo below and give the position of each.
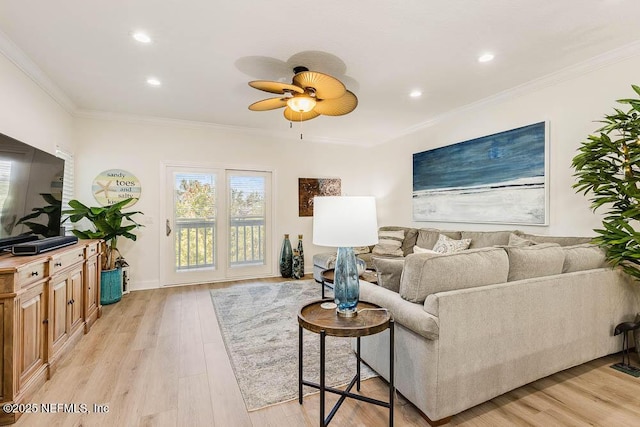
(408, 314)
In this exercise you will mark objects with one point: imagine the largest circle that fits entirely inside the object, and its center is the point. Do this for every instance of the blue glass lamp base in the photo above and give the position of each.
(346, 285)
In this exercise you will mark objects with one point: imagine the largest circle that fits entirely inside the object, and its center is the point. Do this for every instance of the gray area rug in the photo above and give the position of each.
(259, 324)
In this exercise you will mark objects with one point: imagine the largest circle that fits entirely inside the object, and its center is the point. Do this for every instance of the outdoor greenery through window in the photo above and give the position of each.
(196, 213)
(246, 219)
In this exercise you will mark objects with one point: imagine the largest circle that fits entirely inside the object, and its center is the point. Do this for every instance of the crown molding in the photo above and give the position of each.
(20, 59)
(192, 124)
(597, 62)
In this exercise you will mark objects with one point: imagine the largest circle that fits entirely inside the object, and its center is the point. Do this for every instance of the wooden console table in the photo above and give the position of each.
(47, 302)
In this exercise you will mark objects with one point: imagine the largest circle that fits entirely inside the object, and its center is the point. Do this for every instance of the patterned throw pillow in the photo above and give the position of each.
(389, 243)
(447, 245)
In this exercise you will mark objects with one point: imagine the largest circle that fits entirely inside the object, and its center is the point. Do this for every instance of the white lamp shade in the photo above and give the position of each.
(341, 221)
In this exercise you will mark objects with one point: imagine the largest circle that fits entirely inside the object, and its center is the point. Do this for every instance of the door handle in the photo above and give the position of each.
(168, 228)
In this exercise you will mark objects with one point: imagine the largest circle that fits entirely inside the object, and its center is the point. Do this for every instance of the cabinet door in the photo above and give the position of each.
(91, 276)
(76, 305)
(58, 313)
(31, 332)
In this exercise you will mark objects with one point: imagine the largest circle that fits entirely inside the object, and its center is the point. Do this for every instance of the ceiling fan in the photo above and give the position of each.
(310, 95)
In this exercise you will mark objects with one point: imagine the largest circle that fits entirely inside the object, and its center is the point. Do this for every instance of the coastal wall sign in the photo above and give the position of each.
(115, 185)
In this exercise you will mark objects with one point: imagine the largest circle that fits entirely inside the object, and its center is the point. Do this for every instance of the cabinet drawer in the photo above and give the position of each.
(62, 261)
(92, 250)
(31, 274)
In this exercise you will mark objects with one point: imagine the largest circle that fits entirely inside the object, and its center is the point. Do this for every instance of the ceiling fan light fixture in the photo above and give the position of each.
(301, 103)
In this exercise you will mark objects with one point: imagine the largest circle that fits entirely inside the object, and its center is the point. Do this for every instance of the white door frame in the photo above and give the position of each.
(165, 204)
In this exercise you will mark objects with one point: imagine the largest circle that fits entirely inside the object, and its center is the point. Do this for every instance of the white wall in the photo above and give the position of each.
(571, 107)
(29, 114)
(141, 148)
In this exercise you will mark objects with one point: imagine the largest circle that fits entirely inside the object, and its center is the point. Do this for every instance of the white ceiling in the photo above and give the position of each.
(205, 52)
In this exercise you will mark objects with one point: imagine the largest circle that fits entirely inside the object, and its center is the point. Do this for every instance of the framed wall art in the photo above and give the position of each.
(308, 188)
(500, 178)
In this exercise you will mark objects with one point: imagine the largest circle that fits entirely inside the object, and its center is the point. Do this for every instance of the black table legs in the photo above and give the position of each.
(356, 379)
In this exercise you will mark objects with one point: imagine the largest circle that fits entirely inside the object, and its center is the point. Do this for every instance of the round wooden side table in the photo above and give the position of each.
(371, 319)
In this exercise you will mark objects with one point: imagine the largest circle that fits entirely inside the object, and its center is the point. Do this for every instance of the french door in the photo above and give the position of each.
(217, 225)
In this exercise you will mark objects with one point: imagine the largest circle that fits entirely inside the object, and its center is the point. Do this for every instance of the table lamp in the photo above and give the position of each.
(345, 222)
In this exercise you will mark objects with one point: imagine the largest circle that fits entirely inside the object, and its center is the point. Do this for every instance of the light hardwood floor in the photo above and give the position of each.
(157, 359)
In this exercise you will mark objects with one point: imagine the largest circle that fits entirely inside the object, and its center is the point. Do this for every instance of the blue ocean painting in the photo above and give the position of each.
(497, 178)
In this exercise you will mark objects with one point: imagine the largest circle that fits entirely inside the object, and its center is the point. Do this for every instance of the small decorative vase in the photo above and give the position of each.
(301, 252)
(298, 272)
(286, 258)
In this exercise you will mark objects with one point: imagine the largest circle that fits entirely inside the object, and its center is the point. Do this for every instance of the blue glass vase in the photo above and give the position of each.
(346, 285)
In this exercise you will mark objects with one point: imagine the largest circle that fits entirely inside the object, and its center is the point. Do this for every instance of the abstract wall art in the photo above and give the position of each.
(308, 188)
(500, 178)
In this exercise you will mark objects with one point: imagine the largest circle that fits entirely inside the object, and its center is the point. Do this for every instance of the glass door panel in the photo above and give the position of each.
(249, 216)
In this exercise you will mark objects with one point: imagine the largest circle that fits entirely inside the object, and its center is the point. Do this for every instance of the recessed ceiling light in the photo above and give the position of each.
(141, 37)
(485, 57)
(152, 81)
(415, 94)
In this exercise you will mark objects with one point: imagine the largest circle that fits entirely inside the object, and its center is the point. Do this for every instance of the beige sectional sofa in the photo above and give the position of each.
(475, 324)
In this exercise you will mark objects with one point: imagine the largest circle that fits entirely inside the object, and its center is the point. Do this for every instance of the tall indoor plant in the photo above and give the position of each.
(109, 223)
(608, 170)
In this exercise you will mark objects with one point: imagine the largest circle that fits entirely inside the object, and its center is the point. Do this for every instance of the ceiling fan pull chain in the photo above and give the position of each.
(300, 125)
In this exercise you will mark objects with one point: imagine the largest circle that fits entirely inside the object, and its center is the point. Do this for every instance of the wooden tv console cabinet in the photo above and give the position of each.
(47, 302)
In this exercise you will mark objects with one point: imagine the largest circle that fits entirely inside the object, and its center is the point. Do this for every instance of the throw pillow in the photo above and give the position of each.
(427, 237)
(361, 250)
(389, 243)
(447, 245)
(389, 272)
(418, 250)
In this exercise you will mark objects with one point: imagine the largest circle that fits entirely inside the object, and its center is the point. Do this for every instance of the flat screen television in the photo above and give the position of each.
(30, 193)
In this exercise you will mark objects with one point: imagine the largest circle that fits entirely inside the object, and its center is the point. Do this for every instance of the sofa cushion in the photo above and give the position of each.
(389, 272)
(389, 243)
(427, 237)
(410, 236)
(426, 274)
(516, 240)
(545, 259)
(447, 245)
(583, 257)
(562, 241)
(484, 239)
(418, 250)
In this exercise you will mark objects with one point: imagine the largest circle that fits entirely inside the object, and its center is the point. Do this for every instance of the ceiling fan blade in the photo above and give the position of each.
(268, 104)
(275, 87)
(295, 116)
(337, 107)
(326, 87)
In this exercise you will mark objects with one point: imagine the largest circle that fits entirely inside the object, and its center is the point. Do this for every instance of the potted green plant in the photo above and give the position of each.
(109, 223)
(608, 170)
